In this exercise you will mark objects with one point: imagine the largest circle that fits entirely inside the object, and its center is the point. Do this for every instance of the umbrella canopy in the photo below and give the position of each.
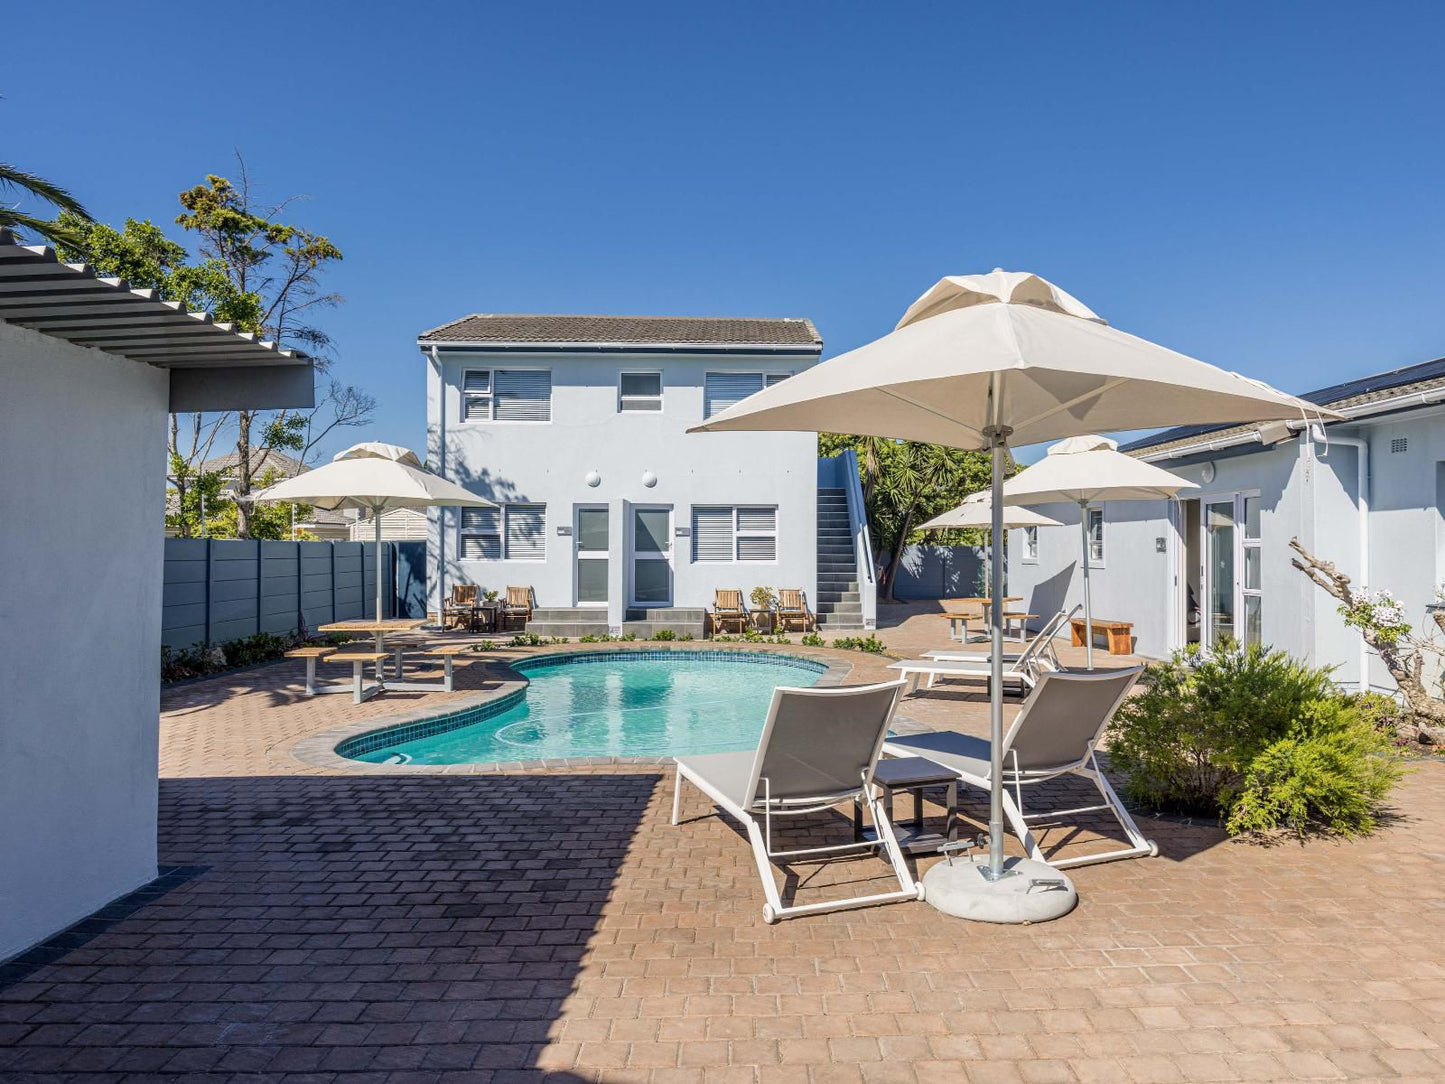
(984, 361)
(1084, 471)
(375, 477)
(977, 511)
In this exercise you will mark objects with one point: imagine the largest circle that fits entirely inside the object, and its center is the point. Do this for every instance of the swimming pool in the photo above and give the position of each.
(603, 704)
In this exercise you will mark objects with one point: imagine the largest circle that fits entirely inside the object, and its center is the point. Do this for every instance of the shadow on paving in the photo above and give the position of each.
(421, 925)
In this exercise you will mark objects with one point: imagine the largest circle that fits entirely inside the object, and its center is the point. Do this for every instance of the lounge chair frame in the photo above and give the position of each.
(757, 817)
(1086, 766)
(1045, 639)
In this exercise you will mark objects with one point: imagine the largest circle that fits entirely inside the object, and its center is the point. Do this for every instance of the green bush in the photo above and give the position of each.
(664, 634)
(1263, 741)
(200, 660)
(812, 639)
(870, 644)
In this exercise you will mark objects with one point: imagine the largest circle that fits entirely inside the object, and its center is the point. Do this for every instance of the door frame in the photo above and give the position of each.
(634, 555)
(593, 555)
(1236, 498)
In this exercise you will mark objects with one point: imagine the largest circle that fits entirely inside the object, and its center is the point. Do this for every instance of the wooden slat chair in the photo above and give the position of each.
(518, 605)
(462, 607)
(793, 608)
(728, 609)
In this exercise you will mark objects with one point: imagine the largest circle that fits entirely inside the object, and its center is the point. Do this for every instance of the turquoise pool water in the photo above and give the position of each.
(604, 704)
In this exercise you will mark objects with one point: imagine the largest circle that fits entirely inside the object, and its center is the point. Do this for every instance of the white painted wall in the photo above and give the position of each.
(82, 446)
(1308, 492)
(547, 463)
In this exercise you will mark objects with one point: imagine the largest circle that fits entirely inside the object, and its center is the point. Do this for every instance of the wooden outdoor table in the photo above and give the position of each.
(377, 630)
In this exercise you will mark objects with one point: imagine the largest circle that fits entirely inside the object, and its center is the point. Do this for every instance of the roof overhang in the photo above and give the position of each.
(212, 366)
(529, 347)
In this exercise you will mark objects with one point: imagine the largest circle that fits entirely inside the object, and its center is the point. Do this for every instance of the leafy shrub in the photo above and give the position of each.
(812, 639)
(685, 636)
(1252, 736)
(200, 660)
(484, 645)
(870, 644)
(664, 634)
(526, 639)
(763, 598)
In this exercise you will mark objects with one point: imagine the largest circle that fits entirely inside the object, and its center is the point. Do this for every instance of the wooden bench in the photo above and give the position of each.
(1120, 633)
(448, 652)
(358, 660)
(311, 654)
(1023, 619)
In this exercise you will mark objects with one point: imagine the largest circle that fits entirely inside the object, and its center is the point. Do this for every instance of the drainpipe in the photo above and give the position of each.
(1362, 488)
(441, 470)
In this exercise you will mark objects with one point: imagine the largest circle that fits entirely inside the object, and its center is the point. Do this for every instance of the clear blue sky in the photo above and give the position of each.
(1259, 185)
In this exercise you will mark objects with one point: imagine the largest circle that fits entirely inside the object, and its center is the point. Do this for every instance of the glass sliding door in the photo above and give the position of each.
(592, 542)
(1250, 548)
(651, 556)
(1219, 543)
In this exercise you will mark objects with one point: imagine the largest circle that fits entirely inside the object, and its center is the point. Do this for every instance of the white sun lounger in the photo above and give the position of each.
(819, 748)
(1022, 670)
(1044, 641)
(1055, 733)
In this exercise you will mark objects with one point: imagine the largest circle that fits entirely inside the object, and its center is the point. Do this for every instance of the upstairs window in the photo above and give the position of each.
(722, 390)
(507, 395)
(1031, 543)
(639, 393)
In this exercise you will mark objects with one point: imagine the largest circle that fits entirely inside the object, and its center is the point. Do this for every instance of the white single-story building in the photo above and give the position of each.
(1364, 493)
(89, 370)
(616, 517)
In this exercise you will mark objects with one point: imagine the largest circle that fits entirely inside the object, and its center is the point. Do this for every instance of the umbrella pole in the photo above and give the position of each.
(995, 870)
(1088, 605)
(376, 516)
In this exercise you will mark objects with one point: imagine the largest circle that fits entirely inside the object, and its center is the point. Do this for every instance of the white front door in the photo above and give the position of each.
(651, 548)
(1230, 548)
(590, 575)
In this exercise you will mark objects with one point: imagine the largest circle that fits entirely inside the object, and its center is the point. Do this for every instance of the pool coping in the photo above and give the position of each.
(319, 750)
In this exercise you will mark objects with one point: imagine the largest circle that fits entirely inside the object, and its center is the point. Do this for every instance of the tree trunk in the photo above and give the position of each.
(243, 473)
(1403, 658)
(891, 576)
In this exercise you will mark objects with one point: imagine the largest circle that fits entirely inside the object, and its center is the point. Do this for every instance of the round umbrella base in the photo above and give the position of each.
(1029, 891)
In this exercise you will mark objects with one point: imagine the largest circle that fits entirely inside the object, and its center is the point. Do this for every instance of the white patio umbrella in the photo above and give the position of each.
(376, 478)
(976, 511)
(985, 361)
(1086, 470)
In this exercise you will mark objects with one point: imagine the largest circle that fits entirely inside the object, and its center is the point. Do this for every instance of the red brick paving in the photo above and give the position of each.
(530, 926)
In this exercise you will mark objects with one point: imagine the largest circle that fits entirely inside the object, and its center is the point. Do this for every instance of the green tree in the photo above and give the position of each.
(264, 277)
(14, 180)
(906, 483)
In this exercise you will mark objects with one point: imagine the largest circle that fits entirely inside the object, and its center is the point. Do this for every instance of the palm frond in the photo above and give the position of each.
(14, 178)
(28, 225)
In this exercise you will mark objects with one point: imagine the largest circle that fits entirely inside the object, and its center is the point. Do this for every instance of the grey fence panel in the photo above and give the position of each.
(225, 589)
(928, 572)
(411, 579)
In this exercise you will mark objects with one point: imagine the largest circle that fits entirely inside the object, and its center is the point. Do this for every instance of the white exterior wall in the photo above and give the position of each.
(82, 440)
(522, 462)
(1307, 492)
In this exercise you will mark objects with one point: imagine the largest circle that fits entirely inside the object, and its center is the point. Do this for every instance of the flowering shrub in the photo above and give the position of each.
(1378, 612)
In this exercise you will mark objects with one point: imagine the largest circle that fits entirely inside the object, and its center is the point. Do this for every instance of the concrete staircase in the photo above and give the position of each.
(569, 621)
(838, 603)
(575, 621)
(680, 619)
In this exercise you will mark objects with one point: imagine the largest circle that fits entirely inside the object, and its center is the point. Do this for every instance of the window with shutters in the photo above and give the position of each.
(722, 390)
(727, 534)
(639, 393)
(514, 532)
(481, 534)
(507, 395)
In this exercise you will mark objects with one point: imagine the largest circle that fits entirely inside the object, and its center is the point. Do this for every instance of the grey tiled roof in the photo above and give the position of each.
(641, 330)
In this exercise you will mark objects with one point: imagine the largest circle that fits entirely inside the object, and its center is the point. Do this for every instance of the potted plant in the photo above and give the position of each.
(764, 599)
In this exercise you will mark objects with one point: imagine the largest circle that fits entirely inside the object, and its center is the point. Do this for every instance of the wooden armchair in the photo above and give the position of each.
(460, 610)
(728, 609)
(793, 609)
(518, 604)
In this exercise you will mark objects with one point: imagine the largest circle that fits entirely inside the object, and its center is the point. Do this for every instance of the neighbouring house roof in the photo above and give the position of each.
(1353, 397)
(512, 329)
(283, 464)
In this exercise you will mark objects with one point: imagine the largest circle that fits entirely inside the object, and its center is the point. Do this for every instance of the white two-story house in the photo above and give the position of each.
(609, 510)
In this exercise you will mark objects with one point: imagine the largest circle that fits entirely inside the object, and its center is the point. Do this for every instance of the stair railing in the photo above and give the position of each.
(847, 466)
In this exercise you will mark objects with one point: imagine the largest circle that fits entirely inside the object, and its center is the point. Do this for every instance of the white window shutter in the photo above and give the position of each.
(481, 547)
(522, 395)
(526, 532)
(477, 381)
(712, 534)
(757, 534)
(722, 390)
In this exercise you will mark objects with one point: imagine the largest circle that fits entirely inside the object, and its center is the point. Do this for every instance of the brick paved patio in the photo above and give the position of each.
(552, 925)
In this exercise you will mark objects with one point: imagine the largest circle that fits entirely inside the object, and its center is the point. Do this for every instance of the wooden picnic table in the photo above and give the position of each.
(378, 631)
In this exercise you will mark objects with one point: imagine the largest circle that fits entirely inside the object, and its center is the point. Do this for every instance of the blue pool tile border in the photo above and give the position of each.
(335, 749)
